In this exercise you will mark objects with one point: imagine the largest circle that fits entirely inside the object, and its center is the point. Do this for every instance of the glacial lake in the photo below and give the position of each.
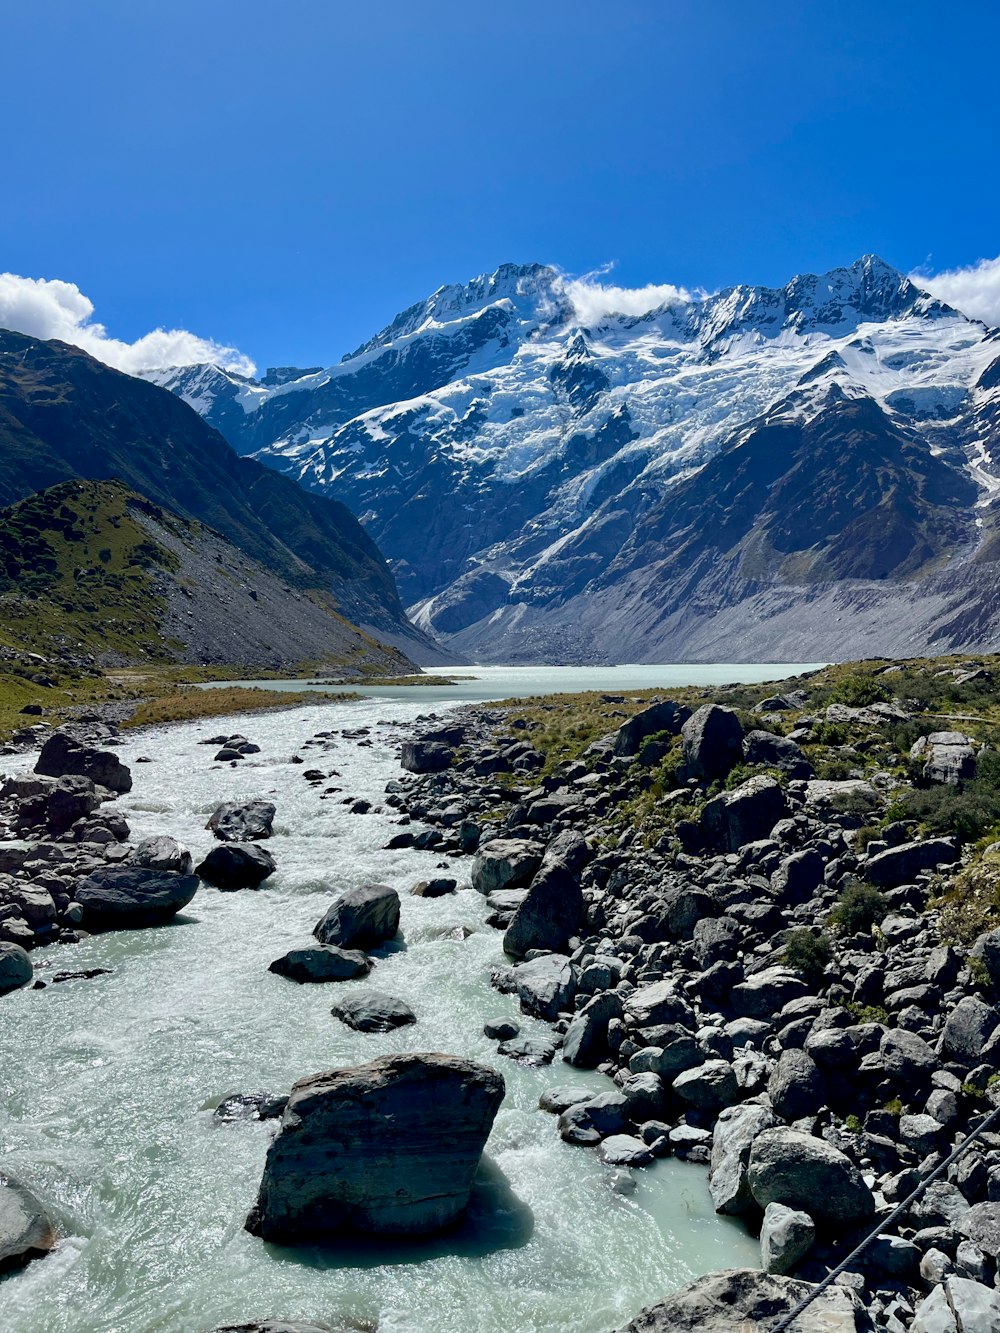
(482, 683)
(108, 1083)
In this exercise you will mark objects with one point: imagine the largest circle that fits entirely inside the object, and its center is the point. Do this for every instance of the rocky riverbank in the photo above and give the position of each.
(771, 921)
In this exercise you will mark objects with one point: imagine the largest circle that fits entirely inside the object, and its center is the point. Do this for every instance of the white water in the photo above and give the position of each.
(104, 1084)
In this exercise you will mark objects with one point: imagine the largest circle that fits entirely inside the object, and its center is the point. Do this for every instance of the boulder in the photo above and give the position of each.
(361, 918)
(709, 1087)
(68, 799)
(425, 756)
(373, 1011)
(163, 853)
(948, 757)
(959, 1305)
(505, 863)
(968, 1028)
(125, 897)
(666, 716)
(901, 865)
(747, 814)
(551, 909)
(16, 968)
(625, 1150)
(415, 1125)
(26, 1232)
(712, 742)
(434, 888)
(796, 1087)
(981, 1225)
(275, 1326)
(745, 1300)
(656, 1004)
(321, 962)
(62, 755)
(735, 1132)
(765, 992)
(786, 1237)
(242, 821)
(763, 747)
(809, 1175)
(546, 985)
(236, 865)
(586, 1042)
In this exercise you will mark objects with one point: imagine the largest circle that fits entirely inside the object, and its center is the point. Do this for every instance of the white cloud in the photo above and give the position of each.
(975, 290)
(594, 300)
(47, 308)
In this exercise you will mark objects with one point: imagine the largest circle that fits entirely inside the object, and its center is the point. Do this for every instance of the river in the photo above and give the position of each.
(108, 1086)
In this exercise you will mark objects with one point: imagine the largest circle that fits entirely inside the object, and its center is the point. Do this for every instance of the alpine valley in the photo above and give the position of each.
(802, 473)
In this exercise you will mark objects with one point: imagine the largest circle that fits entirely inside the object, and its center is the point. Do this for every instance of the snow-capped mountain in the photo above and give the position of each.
(698, 480)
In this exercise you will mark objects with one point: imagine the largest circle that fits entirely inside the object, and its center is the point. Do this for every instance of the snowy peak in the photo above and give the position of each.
(521, 294)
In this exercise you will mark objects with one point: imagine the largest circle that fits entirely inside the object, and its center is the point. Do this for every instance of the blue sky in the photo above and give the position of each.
(285, 178)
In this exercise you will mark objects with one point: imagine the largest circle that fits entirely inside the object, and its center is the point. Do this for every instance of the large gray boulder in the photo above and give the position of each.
(236, 865)
(550, 911)
(747, 814)
(546, 985)
(763, 747)
(125, 897)
(712, 741)
(981, 1225)
(16, 969)
(666, 716)
(505, 863)
(968, 1028)
(161, 852)
(321, 962)
(786, 1237)
(586, 1042)
(796, 1086)
(389, 1148)
(242, 821)
(949, 757)
(425, 756)
(361, 918)
(69, 798)
(656, 1004)
(902, 864)
(745, 1300)
(26, 1232)
(62, 755)
(959, 1305)
(809, 1175)
(765, 992)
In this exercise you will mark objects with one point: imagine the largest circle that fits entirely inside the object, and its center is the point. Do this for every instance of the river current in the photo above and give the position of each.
(108, 1086)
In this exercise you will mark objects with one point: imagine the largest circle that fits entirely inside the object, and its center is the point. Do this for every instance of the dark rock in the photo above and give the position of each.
(762, 747)
(321, 962)
(586, 1042)
(968, 1028)
(434, 888)
(236, 865)
(545, 986)
(796, 1087)
(734, 818)
(26, 1232)
(666, 716)
(69, 799)
(249, 1106)
(16, 969)
(372, 1011)
(416, 1125)
(126, 897)
(809, 1175)
(163, 853)
(62, 755)
(425, 756)
(361, 918)
(901, 865)
(713, 742)
(551, 909)
(242, 821)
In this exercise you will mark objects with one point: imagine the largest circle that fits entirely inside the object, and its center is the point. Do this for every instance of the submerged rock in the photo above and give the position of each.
(389, 1148)
(26, 1231)
(242, 821)
(16, 968)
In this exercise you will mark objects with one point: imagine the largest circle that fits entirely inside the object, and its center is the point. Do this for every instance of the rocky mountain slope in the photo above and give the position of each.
(64, 415)
(800, 472)
(92, 573)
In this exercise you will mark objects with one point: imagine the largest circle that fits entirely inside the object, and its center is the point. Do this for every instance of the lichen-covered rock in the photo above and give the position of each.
(389, 1147)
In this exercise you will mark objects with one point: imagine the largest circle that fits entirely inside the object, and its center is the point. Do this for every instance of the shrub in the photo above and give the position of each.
(858, 908)
(808, 954)
(857, 691)
(971, 903)
(969, 812)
